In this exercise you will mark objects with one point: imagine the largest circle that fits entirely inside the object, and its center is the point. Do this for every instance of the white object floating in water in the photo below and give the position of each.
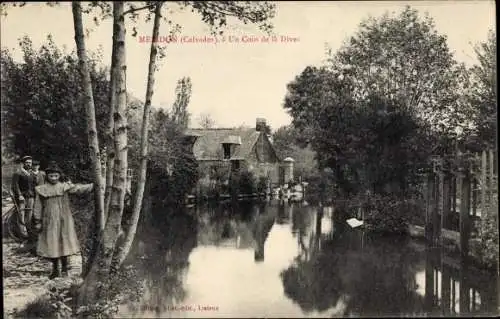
(353, 222)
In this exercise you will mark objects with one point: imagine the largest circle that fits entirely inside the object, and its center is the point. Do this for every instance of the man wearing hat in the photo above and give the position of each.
(23, 189)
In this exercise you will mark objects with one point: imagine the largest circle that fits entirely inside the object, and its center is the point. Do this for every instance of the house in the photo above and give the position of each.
(233, 149)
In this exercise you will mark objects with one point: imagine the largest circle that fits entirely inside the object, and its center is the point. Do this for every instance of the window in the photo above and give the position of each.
(227, 151)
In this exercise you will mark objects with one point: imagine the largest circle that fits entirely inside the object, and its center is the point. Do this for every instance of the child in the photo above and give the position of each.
(39, 175)
(53, 219)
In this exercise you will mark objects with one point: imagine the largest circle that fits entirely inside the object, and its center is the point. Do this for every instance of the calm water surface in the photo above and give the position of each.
(293, 260)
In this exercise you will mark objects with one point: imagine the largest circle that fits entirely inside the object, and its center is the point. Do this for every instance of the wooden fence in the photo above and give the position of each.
(459, 191)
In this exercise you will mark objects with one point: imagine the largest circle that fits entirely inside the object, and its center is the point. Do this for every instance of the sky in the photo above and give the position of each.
(237, 82)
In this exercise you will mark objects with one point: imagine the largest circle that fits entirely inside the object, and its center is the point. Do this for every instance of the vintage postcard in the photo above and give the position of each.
(249, 159)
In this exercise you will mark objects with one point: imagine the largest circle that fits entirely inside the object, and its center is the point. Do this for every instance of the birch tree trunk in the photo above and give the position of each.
(90, 110)
(117, 197)
(110, 147)
(139, 193)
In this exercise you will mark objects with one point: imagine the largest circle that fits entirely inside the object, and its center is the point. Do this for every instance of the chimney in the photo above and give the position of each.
(260, 125)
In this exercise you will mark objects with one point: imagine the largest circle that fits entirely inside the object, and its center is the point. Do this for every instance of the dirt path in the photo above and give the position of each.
(25, 277)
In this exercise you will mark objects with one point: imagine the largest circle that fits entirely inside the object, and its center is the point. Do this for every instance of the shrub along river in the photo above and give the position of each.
(277, 259)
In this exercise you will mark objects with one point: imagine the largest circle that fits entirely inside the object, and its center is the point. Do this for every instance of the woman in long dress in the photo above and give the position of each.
(57, 238)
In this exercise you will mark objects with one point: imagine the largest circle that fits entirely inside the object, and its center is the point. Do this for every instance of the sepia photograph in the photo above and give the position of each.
(249, 159)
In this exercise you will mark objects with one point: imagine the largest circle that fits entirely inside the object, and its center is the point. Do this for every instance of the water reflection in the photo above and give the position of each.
(278, 259)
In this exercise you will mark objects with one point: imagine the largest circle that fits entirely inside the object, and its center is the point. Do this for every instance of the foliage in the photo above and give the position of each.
(242, 182)
(287, 143)
(180, 115)
(60, 300)
(404, 59)
(124, 286)
(321, 188)
(216, 13)
(39, 107)
(392, 92)
(482, 94)
(488, 230)
(247, 183)
(39, 308)
(205, 120)
(85, 226)
(173, 168)
(384, 213)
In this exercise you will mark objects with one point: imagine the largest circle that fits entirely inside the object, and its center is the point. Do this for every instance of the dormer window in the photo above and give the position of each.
(227, 150)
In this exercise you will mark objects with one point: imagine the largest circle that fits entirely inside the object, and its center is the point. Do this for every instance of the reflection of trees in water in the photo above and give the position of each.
(165, 246)
(376, 276)
(309, 281)
(242, 224)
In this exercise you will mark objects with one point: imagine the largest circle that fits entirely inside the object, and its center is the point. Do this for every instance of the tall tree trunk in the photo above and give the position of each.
(110, 147)
(101, 266)
(90, 110)
(117, 200)
(139, 193)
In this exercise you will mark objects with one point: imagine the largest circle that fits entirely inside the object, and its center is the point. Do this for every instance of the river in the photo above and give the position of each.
(277, 259)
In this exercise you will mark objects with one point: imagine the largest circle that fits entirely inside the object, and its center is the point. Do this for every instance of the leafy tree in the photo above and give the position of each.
(170, 160)
(180, 114)
(483, 91)
(375, 112)
(286, 142)
(404, 59)
(42, 100)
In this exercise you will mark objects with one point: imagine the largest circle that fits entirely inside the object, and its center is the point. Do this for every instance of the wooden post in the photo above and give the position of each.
(464, 213)
(445, 289)
(430, 207)
(483, 183)
(438, 214)
(454, 194)
(464, 289)
(474, 196)
(446, 199)
(429, 281)
(491, 187)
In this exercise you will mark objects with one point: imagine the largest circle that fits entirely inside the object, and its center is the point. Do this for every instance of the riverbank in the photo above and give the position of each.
(451, 244)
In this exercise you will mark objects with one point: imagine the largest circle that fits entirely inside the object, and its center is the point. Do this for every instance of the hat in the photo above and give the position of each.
(53, 168)
(25, 158)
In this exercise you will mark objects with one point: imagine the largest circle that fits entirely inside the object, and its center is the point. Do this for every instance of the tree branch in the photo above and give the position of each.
(132, 10)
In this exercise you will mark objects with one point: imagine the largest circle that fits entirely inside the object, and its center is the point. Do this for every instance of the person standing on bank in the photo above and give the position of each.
(57, 238)
(39, 175)
(23, 189)
(39, 179)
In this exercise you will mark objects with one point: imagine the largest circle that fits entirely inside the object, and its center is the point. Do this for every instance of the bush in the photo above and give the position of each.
(247, 183)
(321, 188)
(384, 213)
(488, 236)
(122, 287)
(39, 308)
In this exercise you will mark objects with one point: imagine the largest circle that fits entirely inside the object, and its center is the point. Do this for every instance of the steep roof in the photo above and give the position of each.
(208, 144)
